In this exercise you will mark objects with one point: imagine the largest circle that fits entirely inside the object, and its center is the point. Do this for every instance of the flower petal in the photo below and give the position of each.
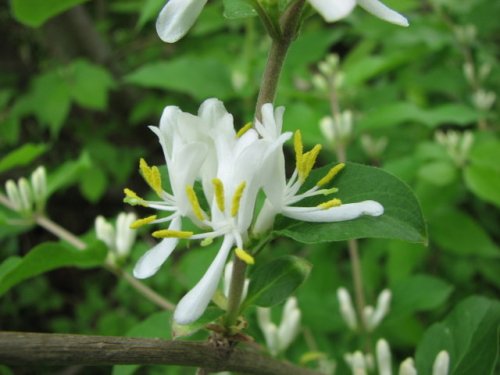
(344, 212)
(383, 12)
(177, 17)
(333, 10)
(150, 262)
(194, 303)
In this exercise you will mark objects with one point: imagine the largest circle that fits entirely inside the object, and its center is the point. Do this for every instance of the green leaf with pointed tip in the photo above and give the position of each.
(470, 334)
(34, 13)
(183, 330)
(46, 257)
(275, 281)
(21, 156)
(402, 218)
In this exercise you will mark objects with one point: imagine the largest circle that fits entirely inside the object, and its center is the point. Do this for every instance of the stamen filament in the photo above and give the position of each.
(235, 204)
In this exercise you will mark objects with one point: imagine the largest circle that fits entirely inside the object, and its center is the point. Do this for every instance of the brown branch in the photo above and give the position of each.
(34, 349)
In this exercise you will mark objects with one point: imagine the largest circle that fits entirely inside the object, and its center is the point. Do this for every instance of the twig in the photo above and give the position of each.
(34, 349)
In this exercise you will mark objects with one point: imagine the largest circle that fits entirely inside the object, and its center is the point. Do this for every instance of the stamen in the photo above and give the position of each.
(207, 241)
(195, 204)
(141, 222)
(168, 233)
(308, 161)
(244, 129)
(299, 148)
(331, 174)
(235, 204)
(152, 176)
(133, 199)
(329, 204)
(244, 256)
(219, 194)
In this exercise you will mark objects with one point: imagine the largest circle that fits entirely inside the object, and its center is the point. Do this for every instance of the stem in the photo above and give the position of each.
(65, 235)
(235, 292)
(36, 349)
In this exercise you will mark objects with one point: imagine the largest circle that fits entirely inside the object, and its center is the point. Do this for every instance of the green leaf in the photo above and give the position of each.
(201, 78)
(154, 326)
(439, 173)
(482, 173)
(418, 293)
(93, 184)
(149, 10)
(402, 218)
(68, 173)
(275, 281)
(183, 330)
(469, 334)
(460, 234)
(234, 9)
(22, 156)
(35, 12)
(89, 84)
(46, 257)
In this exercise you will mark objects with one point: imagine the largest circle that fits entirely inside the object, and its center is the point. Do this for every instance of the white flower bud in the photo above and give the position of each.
(26, 194)
(125, 237)
(441, 364)
(319, 82)
(383, 353)
(346, 308)
(326, 68)
(39, 185)
(332, 60)
(483, 100)
(383, 303)
(407, 367)
(13, 194)
(358, 365)
(105, 231)
(469, 73)
(327, 128)
(290, 324)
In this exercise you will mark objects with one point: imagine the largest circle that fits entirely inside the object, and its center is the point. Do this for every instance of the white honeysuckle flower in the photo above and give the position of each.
(281, 196)
(383, 355)
(334, 10)
(407, 367)
(203, 148)
(119, 238)
(177, 17)
(441, 364)
(279, 338)
(346, 308)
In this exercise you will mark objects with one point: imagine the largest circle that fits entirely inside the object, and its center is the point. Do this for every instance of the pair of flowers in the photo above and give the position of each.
(178, 16)
(215, 175)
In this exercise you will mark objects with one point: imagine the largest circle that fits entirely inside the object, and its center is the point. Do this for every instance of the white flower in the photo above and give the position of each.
(279, 338)
(119, 238)
(203, 148)
(281, 196)
(177, 17)
(334, 10)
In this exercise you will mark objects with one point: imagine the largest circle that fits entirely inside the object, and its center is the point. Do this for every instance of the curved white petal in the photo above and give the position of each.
(194, 303)
(383, 12)
(344, 212)
(177, 17)
(150, 262)
(333, 10)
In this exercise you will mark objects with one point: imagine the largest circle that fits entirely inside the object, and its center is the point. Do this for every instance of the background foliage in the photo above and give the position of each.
(79, 84)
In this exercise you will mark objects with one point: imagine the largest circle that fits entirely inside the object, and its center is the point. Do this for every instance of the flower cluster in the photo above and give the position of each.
(28, 197)
(215, 175)
(178, 16)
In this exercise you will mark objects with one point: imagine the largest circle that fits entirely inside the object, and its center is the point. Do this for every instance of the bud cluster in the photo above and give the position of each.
(119, 238)
(457, 145)
(28, 196)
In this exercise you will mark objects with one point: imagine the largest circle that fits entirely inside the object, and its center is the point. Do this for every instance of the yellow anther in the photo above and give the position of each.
(219, 193)
(133, 199)
(195, 204)
(244, 129)
(151, 175)
(235, 204)
(331, 174)
(299, 149)
(141, 222)
(308, 161)
(168, 233)
(244, 256)
(329, 204)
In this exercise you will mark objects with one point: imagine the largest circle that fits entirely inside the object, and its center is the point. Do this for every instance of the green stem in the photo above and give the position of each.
(235, 292)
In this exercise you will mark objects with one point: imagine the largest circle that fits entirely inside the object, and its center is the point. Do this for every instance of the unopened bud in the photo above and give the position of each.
(483, 100)
(327, 128)
(383, 302)
(383, 353)
(26, 194)
(346, 308)
(13, 195)
(407, 367)
(358, 365)
(441, 364)
(125, 237)
(105, 231)
(39, 185)
(319, 82)
(469, 73)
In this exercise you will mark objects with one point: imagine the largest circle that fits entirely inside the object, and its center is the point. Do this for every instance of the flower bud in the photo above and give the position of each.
(125, 237)
(407, 367)
(319, 82)
(441, 364)
(327, 128)
(13, 194)
(105, 231)
(346, 308)
(383, 302)
(469, 73)
(26, 195)
(39, 185)
(383, 354)
(483, 100)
